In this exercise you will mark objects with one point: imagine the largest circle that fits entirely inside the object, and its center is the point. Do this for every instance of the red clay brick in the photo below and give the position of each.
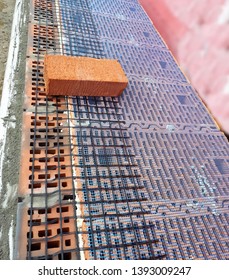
(83, 76)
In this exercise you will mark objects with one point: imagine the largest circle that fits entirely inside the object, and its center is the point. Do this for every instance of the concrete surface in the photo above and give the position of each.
(10, 116)
(6, 15)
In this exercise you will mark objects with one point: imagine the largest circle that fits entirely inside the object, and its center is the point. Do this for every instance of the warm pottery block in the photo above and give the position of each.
(83, 76)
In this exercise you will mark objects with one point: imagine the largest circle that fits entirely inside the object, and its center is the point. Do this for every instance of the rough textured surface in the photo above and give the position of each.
(6, 13)
(10, 172)
(83, 76)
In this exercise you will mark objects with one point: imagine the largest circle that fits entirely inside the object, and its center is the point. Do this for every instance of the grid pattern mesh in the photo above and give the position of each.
(118, 226)
(142, 176)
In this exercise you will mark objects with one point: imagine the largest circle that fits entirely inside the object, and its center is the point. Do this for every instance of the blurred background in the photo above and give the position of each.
(197, 33)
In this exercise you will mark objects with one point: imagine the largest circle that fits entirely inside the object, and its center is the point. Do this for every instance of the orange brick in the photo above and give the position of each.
(83, 76)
